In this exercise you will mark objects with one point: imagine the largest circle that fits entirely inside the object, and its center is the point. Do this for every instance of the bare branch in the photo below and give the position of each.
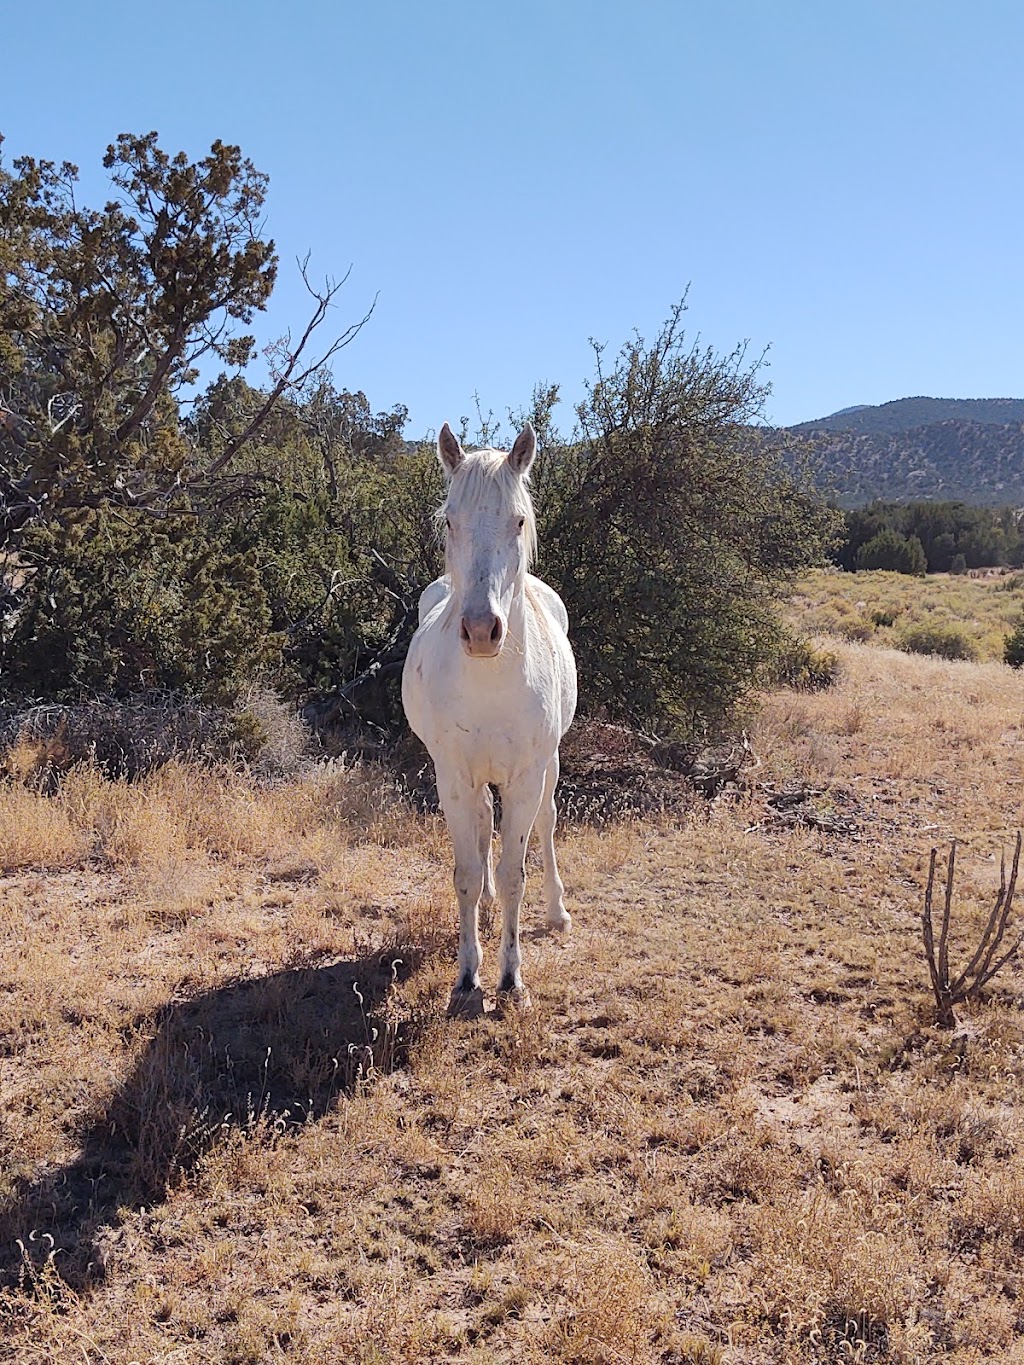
(946, 910)
(292, 374)
(983, 965)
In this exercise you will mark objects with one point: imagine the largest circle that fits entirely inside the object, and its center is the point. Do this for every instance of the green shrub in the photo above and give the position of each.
(806, 666)
(1013, 647)
(947, 642)
(890, 550)
(670, 526)
(123, 603)
(884, 616)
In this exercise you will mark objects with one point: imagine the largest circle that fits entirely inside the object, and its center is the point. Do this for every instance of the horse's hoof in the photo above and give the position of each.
(560, 924)
(466, 1004)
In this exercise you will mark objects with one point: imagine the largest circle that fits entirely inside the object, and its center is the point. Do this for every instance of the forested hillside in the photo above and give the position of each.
(904, 414)
(969, 450)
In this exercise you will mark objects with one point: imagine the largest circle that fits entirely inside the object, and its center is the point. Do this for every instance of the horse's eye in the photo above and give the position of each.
(522, 522)
(447, 523)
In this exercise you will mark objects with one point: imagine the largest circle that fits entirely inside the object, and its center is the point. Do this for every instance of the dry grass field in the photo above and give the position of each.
(882, 608)
(237, 1128)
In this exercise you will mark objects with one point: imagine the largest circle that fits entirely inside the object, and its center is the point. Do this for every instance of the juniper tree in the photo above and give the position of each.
(106, 316)
(670, 523)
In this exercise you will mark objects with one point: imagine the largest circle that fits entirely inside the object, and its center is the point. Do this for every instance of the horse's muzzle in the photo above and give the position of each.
(482, 636)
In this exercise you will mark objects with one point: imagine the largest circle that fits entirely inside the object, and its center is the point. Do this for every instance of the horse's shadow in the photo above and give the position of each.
(279, 1049)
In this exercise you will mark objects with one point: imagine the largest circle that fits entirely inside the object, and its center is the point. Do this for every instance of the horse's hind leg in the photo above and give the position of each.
(519, 804)
(554, 889)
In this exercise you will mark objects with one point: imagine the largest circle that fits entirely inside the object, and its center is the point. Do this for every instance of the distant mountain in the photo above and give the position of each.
(964, 449)
(904, 414)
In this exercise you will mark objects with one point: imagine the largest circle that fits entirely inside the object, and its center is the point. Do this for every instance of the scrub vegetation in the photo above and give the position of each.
(972, 616)
(153, 539)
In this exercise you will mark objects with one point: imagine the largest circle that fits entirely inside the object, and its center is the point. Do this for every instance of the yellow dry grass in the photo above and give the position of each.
(726, 1132)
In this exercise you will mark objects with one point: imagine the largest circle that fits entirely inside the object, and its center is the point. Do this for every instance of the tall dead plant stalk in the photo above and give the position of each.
(984, 964)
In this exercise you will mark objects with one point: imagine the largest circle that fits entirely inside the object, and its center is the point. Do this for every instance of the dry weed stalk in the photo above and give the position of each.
(982, 966)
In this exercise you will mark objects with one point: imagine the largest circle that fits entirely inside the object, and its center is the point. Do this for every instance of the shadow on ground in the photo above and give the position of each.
(280, 1048)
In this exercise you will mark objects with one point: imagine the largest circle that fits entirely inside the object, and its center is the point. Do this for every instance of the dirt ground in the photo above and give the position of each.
(237, 1127)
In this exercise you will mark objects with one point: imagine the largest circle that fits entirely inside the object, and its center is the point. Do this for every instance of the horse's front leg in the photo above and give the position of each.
(520, 802)
(486, 826)
(461, 804)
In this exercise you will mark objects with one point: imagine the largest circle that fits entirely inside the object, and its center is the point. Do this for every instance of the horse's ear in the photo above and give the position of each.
(520, 457)
(449, 452)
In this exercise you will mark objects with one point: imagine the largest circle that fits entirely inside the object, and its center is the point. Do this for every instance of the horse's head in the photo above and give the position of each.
(490, 534)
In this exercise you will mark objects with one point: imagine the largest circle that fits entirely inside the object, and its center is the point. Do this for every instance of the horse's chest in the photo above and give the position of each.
(497, 713)
(488, 725)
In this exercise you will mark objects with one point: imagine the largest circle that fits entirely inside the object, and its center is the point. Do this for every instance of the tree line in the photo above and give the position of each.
(153, 537)
(930, 537)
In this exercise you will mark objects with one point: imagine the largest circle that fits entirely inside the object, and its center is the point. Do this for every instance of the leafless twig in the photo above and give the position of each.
(984, 963)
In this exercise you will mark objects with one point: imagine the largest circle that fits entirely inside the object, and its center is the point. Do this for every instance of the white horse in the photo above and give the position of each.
(489, 686)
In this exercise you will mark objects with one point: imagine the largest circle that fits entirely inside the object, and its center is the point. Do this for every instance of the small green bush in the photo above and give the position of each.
(806, 666)
(890, 550)
(947, 642)
(858, 630)
(1013, 647)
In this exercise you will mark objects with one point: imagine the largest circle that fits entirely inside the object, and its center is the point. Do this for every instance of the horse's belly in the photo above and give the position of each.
(496, 759)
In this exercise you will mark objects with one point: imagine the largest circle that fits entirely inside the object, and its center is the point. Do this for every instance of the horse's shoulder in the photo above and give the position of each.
(546, 600)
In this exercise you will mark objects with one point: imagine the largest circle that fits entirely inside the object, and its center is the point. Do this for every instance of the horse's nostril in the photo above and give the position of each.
(482, 634)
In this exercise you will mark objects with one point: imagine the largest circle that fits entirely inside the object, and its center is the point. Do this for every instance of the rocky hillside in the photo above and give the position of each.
(914, 448)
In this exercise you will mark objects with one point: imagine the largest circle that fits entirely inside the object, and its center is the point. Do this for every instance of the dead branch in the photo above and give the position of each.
(24, 499)
(984, 963)
(290, 373)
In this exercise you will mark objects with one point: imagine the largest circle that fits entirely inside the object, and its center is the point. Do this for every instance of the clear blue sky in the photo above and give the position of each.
(840, 180)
